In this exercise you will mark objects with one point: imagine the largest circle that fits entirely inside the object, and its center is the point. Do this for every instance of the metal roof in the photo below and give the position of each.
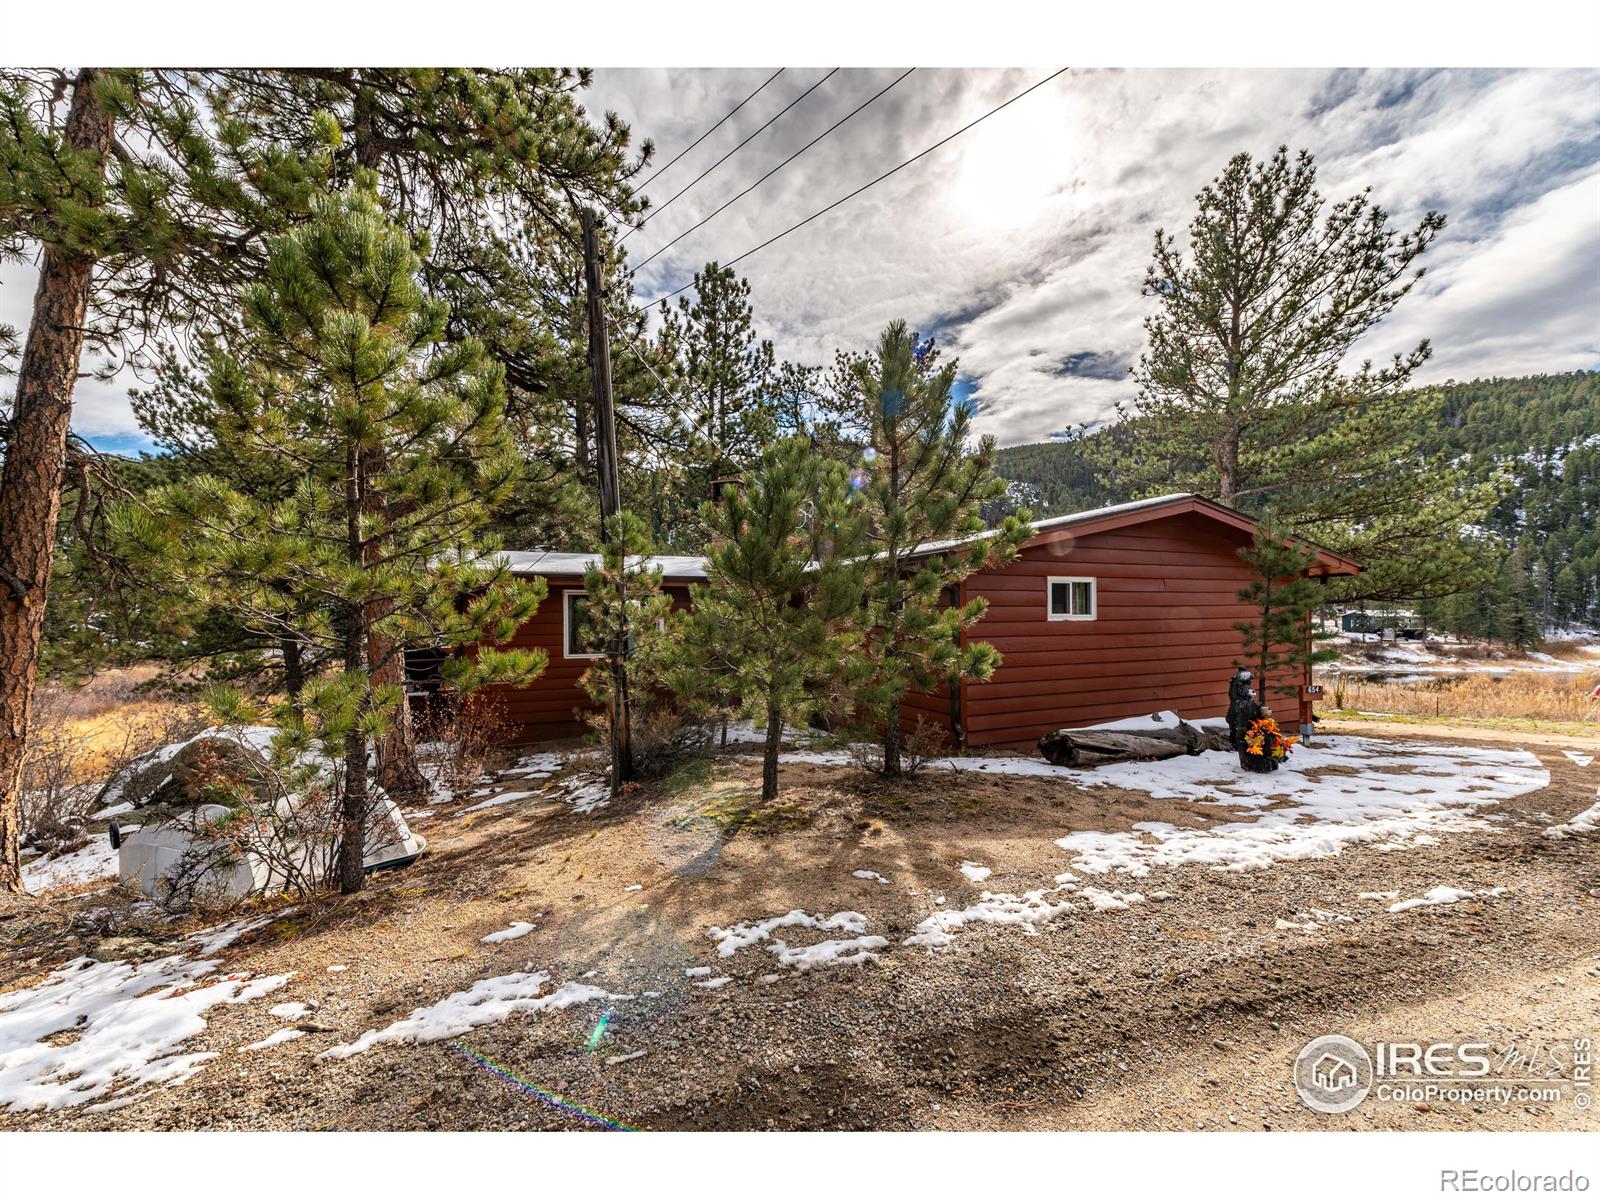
(563, 564)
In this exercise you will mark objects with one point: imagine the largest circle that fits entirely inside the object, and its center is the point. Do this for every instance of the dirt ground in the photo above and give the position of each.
(1184, 1012)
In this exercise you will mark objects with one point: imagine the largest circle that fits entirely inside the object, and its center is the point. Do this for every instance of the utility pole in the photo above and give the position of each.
(610, 493)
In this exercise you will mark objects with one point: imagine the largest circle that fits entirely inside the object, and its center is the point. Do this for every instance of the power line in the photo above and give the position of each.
(657, 211)
(863, 187)
(709, 132)
(774, 170)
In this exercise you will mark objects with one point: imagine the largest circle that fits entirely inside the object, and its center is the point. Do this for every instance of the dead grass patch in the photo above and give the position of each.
(1517, 695)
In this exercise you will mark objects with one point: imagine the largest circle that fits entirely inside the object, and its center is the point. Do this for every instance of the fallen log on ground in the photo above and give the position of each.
(1094, 747)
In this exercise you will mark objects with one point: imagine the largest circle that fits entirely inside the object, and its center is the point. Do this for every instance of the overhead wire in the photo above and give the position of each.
(662, 169)
(852, 195)
(662, 207)
(741, 195)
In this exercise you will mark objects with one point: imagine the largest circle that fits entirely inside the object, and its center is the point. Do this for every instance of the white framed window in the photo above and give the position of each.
(1071, 598)
(573, 615)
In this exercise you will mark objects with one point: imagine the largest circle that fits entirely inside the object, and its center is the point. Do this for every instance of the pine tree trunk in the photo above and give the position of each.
(769, 758)
(891, 741)
(398, 771)
(1228, 465)
(353, 801)
(30, 487)
(294, 670)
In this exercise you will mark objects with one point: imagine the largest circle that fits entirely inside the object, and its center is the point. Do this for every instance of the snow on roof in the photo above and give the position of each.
(565, 563)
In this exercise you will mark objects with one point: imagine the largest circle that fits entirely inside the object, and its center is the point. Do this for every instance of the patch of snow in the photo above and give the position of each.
(872, 875)
(974, 872)
(1377, 895)
(1028, 911)
(274, 1039)
(719, 981)
(486, 1002)
(634, 887)
(1102, 901)
(496, 801)
(129, 1021)
(748, 933)
(292, 1011)
(220, 937)
(97, 860)
(831, 953)
(693, 972)
(337, 967)
(585, 796)
(518, 929)
(1165, 719)
(547, 763)
(1316, 817)
(1588, 821)
(1583, 760)
(114, 810)
(1444, 895)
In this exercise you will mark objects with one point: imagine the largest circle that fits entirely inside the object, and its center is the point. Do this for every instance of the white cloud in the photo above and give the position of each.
(1024, 242)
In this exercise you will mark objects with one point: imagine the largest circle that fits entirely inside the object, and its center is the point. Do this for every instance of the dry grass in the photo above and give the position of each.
(1521, 695)
(78, 738)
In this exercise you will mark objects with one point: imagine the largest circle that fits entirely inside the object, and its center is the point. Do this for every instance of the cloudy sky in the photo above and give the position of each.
(1022, 243)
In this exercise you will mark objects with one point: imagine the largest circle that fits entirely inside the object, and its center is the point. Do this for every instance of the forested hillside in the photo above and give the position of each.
(1543, 429)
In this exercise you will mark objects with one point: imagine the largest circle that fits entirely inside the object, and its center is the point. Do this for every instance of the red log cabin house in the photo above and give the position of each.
(1111, 613)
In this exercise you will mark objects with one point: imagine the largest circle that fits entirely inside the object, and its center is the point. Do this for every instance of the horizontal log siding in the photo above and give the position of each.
(549, 707)
(1164, 635)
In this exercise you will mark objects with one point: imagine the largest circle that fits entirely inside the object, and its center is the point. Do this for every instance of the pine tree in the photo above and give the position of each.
(397, 433)
(144, 214)
(920, 482)
(1279, 637)
(781, 609)
(1243, 394)
(491, 165)
(726, 377)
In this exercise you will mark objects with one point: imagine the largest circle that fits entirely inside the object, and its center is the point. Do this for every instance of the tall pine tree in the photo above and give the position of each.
(781, 610)
(397, 432)
(725, 380)
(145, 213)
(920, 482)
(1243, 392)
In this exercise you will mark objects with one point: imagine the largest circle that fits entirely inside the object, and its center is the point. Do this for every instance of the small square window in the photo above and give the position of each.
(1071, 599)
(575, 618)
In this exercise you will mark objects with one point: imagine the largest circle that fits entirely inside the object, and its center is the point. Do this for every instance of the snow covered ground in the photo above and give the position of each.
(1358, 657)
(484, 1003)
(97, 860)
(1341, 793)
(116, 1029)
(1400, 792)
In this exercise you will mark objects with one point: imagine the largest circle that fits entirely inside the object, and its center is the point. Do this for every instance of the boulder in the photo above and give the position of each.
(205, 768)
